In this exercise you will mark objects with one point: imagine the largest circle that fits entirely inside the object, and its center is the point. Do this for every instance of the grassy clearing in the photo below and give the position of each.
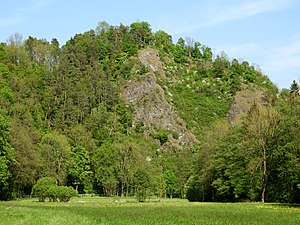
(97, 210)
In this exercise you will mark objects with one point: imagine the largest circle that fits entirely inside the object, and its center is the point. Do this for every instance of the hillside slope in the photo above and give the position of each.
(147, 98)
(119, 102)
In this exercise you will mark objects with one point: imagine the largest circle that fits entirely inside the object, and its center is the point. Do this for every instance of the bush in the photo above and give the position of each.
(41, 188)
(52, 193)
(47, 188)
(64, 193)
(175, 135)
(160, 135)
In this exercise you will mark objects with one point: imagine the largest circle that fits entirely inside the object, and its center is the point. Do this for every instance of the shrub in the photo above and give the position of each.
(64, 193)
(41, 188)
(47, 188)
(53, 193)
(175, 135)
(160, 135)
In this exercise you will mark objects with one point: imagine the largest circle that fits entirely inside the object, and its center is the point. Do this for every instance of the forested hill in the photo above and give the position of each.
(122, 104)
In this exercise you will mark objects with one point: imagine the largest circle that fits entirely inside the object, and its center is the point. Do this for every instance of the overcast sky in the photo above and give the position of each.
(264, 32)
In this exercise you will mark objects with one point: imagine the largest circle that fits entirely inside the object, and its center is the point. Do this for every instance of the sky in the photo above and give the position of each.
(266, 33)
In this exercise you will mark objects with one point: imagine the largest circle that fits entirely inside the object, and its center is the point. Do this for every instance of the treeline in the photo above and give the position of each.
(256, 160)
(62, 116)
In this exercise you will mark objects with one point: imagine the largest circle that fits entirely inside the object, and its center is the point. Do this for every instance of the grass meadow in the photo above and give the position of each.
(99, 210)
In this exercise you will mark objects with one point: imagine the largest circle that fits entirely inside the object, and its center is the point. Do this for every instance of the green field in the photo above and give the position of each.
(97, 210)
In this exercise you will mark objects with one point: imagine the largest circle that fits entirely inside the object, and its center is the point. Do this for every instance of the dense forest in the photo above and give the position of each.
(122, 108)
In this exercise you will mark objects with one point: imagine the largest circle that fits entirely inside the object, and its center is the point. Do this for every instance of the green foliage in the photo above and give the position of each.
(115, 163)
(164, 42)
(142, 184)
(193, 191)
(27, 160)
(46, 188)
(231, 182)
(106, 168)
(60, 193)
(294, 89)
(160, 135)
(175, 135)
(7, 95)
(55, 153)
(171, 183)
(211, 104)
(80, 169)
(6, 156)
(41, 188)
(69, 120)
(141, 32)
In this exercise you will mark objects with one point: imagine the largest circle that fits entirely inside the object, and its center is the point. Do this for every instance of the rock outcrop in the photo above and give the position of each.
(243, 100)
(148, 99)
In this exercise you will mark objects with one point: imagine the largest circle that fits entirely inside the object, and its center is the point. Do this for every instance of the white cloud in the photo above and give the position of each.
(234, 50)
(282, 64)
(34, 6)
(10, 21)
(284, 58)
(19, 14)
(221, 11)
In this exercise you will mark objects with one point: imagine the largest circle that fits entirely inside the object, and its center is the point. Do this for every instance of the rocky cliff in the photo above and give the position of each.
(150, 106)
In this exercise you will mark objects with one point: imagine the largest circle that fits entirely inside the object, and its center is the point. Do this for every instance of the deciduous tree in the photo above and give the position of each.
(260, 126)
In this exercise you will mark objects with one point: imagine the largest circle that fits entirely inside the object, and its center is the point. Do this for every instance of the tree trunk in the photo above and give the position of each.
(122, 189)
(264, 175)
(127, 190)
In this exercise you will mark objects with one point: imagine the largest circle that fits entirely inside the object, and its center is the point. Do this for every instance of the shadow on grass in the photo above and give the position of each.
(289, 205)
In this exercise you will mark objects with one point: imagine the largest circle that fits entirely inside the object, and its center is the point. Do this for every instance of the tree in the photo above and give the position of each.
(196, 51)
(80, 136)
(193, 190)
(294, 89)
(105, 166)
(142, 184)
(206, 53)
(260, 126)
(183, 165)
(180, 51)
(27, 161)
(285, 165)
(55, 153)
(128, 156)
(102, 27)
(160, 135)
(221, 65)
(199, 186)
(190, 42)
(134, 153)
(54, 53)
(79, 170)
(141, 32)
(38, 50)
(231, 181)
(6, 157)
(171, 183)
(163, 41)
(15, 51)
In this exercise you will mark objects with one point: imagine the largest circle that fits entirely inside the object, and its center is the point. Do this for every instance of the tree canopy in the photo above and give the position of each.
(122, 110)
